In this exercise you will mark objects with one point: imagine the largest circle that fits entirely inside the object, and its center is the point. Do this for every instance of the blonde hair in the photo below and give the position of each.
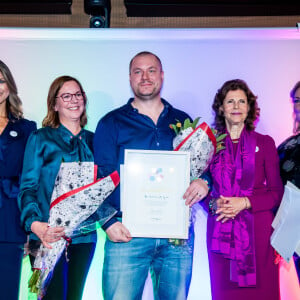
(13, 102)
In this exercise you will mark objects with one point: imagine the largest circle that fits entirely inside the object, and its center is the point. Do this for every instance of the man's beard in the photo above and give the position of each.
(149, 95)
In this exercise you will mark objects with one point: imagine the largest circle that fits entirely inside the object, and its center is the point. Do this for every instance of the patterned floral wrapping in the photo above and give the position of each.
(201, 143)
(76, 196)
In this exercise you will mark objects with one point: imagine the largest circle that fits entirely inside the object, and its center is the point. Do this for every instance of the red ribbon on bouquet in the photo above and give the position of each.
(207, 130)
(114, 176)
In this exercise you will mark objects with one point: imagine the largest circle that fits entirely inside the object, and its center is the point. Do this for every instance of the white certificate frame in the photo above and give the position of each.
(152, 188)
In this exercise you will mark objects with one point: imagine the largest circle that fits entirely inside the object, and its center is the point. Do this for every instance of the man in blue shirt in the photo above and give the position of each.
(142, 123)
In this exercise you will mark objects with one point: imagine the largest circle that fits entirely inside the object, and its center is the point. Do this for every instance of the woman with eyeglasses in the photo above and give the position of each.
(14, 132)
(62, 139)
(289, 153)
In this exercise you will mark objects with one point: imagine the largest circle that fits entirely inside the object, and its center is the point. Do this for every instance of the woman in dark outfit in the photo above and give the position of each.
(289, 153)
(14, 131)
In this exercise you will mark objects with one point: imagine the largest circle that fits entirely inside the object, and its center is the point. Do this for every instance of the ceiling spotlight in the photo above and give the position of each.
(97, 22)
(99, 11)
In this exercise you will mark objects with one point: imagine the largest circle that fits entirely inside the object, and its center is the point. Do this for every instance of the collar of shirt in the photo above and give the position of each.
(129, 108)
(67, 135)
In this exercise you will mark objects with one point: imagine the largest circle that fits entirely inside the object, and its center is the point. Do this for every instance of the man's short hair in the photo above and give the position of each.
(144, 53)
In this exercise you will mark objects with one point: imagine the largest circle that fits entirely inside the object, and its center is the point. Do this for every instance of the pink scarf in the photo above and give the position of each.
(233, 176)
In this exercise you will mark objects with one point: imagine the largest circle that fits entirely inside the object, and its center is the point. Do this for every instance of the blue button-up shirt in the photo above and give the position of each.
(125, 128)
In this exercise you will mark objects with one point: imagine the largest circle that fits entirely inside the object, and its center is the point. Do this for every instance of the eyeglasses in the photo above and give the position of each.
(296, 100)
(67, 97)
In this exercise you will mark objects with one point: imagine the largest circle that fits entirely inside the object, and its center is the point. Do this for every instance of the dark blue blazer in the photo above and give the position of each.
(12, 145)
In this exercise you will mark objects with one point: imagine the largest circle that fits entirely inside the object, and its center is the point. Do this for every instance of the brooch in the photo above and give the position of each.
(13, 133)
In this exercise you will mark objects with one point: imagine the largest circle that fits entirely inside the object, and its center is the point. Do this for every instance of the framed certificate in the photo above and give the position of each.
(152, 188)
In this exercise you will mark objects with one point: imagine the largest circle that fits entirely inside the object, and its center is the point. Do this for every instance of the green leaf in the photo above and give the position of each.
(174, 128)
(221, 137)
(34, 281)
(187, 123)
(194, 124)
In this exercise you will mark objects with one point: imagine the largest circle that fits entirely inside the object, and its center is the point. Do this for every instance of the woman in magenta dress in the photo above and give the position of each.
(247, 189)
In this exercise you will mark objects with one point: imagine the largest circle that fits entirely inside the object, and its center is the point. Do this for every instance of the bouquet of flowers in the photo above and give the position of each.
(76, 196)
(201, 141)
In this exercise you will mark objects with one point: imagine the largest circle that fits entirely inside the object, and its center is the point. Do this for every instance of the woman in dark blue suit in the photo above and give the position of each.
(14, 131)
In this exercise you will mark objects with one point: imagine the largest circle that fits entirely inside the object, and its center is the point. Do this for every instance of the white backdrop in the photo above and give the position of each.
(196, 63)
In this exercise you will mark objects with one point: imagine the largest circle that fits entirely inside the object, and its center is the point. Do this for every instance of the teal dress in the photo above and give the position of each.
(46, 149)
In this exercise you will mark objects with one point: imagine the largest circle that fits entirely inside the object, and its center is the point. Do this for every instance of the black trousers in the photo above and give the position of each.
(68, 279)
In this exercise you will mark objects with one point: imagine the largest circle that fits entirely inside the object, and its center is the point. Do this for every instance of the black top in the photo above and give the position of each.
(289, 154)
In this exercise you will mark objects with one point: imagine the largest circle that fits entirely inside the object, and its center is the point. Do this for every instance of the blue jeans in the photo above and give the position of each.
(126, 268)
